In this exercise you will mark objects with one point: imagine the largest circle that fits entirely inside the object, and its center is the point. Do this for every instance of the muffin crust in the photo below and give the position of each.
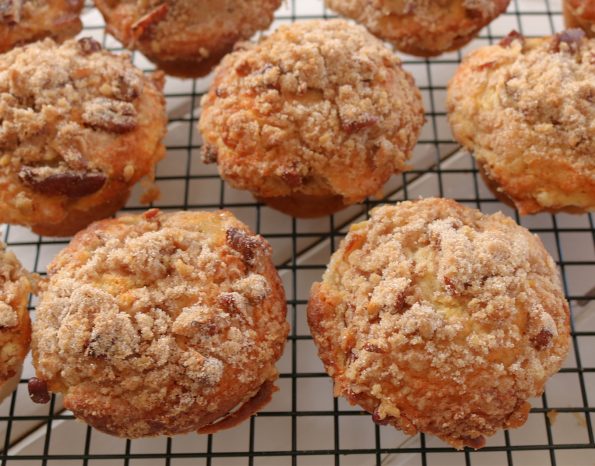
(80, 126)
(161, 324)
(436, 318)
(425, 28)
(24, 21)
(15, 326)
(525, 108)
(185, 37)
(313, 118)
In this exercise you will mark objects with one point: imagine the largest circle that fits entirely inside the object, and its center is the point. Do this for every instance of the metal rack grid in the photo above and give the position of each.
(304, 425)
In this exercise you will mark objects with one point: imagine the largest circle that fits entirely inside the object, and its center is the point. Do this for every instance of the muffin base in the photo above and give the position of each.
(182, 68)
(10, 385)
(76, 219)
(498, 191)
(304, 205)
(422, 52)
(572, 21)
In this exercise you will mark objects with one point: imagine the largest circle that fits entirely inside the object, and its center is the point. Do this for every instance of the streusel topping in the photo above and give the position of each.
(449, 319)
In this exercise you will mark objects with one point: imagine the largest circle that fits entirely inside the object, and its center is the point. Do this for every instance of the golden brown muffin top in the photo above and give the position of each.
(318, 107)
(428, 12)
(427, 27)
(59, 103)
(526, 109)
(152, 323)
(161, 19)
(23, 21)
(14, 318)
(79, 126)
(441, 319)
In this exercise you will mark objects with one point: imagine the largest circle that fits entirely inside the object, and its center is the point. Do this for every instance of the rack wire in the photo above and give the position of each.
(304, 425)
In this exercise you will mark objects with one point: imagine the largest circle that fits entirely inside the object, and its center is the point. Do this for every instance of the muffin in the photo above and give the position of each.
(425, 28)
(313, 118)
(161, 324)
(80, 126)
(436, 318)
(580, 14)
(15, 326)
(526, 110)
(24, 21)
(185, 38)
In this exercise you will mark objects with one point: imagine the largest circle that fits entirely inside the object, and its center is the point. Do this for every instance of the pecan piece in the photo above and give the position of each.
(141, 27)
(292, 178)
(88, 45)
(58, 181)
(128, 87)
(110, 115)
(243, 243)
(353, 126)
(38, 390)
(511, 37)
(570, 37)
(209, 153)
(378, 420)
(542, 339)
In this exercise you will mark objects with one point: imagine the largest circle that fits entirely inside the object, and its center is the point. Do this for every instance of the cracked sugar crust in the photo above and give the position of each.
(439, 319)
(186, 37)
(424, 28)
(526, 109)
(15, 326)
(24, 21)
(580, 14)
(160, 324)
(319, 108)
(78, 127)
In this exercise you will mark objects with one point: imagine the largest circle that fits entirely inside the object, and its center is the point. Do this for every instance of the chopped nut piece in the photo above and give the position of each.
(243, 243)
(110, 115)
(141, 27)
(60, 182)
(38, 390)
(89, 45)
(209, 153)
(542, 339)
(511, 37)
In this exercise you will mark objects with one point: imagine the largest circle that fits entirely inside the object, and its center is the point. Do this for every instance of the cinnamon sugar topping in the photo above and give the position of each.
(452, 319)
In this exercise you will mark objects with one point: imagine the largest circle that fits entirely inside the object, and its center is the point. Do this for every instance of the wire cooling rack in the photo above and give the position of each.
(304, 425)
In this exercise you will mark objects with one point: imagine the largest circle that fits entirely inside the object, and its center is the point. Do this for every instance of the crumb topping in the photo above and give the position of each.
(526, 104)
(430, 12)
(319, 107)
(14, 317)
(448, 320)
(187, 30)
(52, 99)
(162, 311)
(426, 26)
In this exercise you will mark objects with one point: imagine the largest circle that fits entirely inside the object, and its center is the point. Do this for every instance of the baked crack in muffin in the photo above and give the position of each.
(161, 324)
(24, 21)
(15, 326)
(526, 109)
(313, 118)
(580, 14)
(425, 28)
(185, 37)
(436, 318)
(79, 127)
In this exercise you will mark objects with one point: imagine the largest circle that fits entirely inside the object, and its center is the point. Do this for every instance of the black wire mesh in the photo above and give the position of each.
(304, 425)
